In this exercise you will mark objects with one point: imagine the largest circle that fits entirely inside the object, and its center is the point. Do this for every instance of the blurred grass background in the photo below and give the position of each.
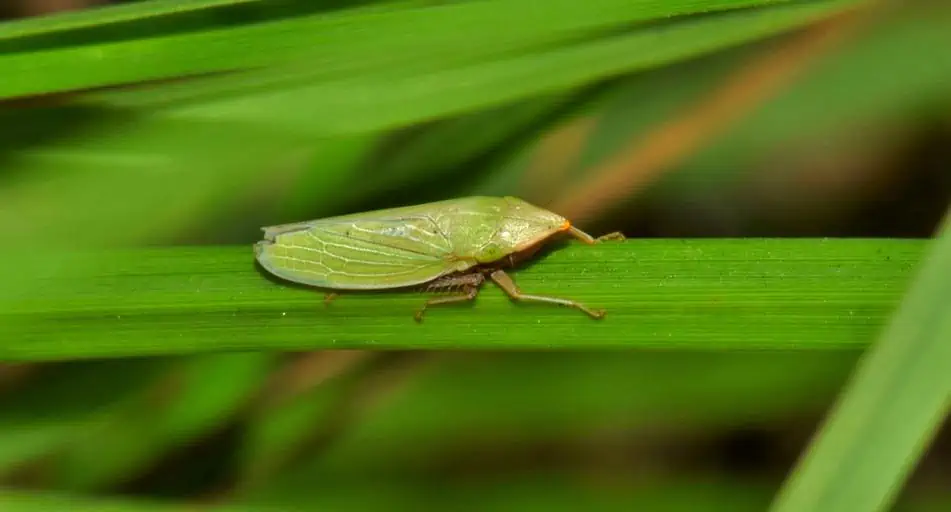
(781, 168)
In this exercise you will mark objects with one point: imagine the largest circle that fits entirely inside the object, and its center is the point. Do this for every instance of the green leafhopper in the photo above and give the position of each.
(446, 245)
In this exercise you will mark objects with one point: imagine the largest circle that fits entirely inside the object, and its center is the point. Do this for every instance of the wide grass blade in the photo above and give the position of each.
(714, 294)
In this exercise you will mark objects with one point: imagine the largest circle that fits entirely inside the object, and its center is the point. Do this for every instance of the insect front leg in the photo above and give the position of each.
(467, 283)
(588, 239)
(511, 289)
(616, 236)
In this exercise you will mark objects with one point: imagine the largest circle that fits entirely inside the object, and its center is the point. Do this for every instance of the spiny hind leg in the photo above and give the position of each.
(329, 297)
(511, 289)
(470, 294)
(588, 239)
(467, 283)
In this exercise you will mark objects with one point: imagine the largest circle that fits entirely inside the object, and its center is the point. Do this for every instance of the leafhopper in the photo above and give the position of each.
(448, 246)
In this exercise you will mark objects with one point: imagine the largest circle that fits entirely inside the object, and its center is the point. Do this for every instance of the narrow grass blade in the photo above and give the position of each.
(140, 433)
(389, 98)
(98, 17)
(337, 42)
(550, 397)
(35, 501)
(898, 398)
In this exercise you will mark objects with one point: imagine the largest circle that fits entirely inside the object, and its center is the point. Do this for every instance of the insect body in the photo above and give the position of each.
(449, 244)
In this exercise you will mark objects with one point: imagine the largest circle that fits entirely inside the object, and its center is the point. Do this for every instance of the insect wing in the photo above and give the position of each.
(358, 252)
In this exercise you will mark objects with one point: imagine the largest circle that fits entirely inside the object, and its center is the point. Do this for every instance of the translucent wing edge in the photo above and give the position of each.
(317, 283)
(438, 265)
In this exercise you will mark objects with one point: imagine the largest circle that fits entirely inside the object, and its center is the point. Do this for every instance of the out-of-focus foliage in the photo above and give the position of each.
(134, 132)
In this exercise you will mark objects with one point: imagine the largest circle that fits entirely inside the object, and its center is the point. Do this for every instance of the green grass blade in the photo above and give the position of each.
(713, 294)
(34, 501)
(339, 42)
(136, 436)
(281, 431)
(550, 491)
(98, 17)
(398, 97)
(554, 396)
(898, 398)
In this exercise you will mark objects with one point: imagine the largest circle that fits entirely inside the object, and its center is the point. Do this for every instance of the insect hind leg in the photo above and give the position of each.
(467, 283)
(512, 290)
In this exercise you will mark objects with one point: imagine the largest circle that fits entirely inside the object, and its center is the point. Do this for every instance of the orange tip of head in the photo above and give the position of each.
(565, 226)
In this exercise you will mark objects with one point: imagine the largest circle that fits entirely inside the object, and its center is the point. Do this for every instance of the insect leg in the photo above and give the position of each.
(616, 236)
(588, 239)
(469, 283)
(329, 297)
(470, 294)
(509, 287)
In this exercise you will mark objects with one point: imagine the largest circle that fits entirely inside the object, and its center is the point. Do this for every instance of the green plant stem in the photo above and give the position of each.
(688, 294)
